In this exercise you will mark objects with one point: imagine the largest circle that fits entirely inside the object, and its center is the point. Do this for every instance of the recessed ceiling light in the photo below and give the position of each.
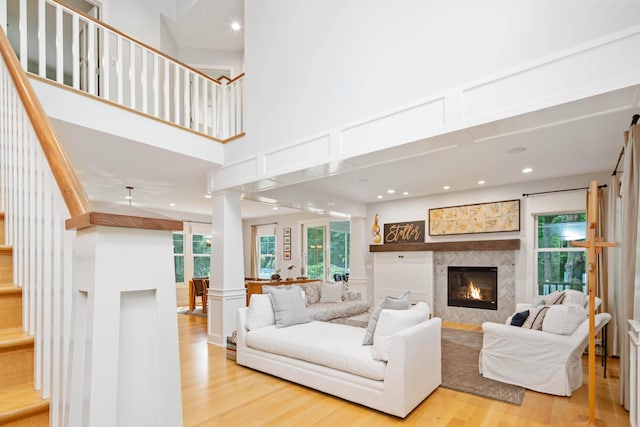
(406, 193)
(527, 170)
(235, 26)
(172, 204)
(446, 187)
(379, 197)
(481, 182)
(207, 196)
(275, 208)
(391, 191)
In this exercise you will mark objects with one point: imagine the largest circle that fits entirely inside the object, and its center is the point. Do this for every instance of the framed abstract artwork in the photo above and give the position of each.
(477, 218)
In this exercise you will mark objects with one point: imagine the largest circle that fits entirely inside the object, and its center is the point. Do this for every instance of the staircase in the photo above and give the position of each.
(20, 403)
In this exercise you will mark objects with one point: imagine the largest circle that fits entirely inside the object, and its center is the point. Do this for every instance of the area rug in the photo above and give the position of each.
(196, 312)
(460, 351)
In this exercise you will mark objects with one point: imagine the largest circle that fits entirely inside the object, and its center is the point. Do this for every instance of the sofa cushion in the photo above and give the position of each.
(260, 312)
(536, 316)
(312, 292)
(563, 319)
(393, 321)
(575, 297)
(331, 292)
(288, 305)
(555, 297)
(328, 344)
(400, 303)
(329, 311)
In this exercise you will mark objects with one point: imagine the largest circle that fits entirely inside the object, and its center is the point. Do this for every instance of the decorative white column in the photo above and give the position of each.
(124, 359)
(634, 371)
(359, 250)
(226, 287)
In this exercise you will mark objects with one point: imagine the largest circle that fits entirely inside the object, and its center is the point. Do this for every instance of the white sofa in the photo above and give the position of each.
(537, 360)
(331, 358)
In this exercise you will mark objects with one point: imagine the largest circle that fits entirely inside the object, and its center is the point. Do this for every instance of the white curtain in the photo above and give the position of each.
(629, 227)
(612, 234)
(254, 252)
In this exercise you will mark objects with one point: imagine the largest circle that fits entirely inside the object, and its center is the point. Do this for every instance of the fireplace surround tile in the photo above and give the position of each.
(504, 260)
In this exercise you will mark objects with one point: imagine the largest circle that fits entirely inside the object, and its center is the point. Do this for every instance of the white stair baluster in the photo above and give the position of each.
(42, 39)
(59, 46)
(75, 51)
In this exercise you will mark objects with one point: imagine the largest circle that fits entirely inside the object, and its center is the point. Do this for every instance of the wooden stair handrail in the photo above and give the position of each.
(72, 191)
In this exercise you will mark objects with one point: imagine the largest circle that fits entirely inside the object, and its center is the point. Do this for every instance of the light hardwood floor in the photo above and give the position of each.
(218, 392)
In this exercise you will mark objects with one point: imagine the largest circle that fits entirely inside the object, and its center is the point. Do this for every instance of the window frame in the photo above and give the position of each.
(326, 223)
(260, 254)
(537, 250)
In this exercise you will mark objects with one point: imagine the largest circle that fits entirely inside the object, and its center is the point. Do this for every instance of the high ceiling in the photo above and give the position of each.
(580, 138)
(206, 24)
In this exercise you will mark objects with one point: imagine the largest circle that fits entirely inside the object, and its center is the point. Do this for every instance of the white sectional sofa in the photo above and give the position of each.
(331, 358)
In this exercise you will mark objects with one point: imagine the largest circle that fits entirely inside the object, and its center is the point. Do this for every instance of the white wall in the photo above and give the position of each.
(207, 58)
(141, 19)
(416, 209)
(316, 64)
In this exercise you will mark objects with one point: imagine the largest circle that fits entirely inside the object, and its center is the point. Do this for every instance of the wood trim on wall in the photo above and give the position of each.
(470, 245)
(127, 221)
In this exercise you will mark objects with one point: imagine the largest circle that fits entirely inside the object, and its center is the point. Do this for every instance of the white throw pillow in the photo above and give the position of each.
(391, 322)
(574, 297)
(401, 303)
(563, 319)
(260, 313)
(289, 306)
(331, 292)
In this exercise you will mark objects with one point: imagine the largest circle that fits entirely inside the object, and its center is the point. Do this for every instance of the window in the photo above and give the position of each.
(178, 256)
(201, 246)
(339, 247)
(333, 246)
(560, 265)
(267, 254)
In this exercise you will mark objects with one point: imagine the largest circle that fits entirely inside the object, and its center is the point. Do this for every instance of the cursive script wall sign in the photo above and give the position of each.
(404, 232)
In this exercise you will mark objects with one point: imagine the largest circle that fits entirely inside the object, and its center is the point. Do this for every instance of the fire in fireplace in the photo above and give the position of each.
(473, 287)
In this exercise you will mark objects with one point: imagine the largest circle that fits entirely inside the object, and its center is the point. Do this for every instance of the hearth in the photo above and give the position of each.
(473, 287)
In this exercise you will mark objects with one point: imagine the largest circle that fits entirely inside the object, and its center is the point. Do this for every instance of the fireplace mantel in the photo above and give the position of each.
(469, 245)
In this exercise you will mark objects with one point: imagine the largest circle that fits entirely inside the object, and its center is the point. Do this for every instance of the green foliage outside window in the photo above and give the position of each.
(267, 256)
(178, 243)
(178, 259)
(201, 244)
(339, 249)
(560, 269)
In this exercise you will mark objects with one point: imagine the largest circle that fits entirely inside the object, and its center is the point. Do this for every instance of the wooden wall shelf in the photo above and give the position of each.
(471, 245)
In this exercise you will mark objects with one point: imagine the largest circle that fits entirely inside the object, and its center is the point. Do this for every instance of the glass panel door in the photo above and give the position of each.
(315, 252)
(339, 247)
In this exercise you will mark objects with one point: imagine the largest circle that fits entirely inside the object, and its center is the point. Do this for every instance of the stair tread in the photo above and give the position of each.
(12, 337)
(20, 401)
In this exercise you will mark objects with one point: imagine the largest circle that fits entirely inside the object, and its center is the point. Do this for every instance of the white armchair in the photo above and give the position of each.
(534, 359)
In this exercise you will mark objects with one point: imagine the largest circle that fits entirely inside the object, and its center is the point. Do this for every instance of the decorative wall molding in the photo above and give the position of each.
(541, 83)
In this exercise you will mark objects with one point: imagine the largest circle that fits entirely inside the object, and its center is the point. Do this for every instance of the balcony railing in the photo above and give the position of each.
(59, 43)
